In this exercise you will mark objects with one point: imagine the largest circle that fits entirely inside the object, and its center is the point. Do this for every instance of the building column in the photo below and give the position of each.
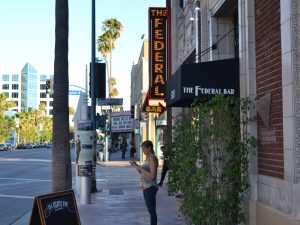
(248, 90)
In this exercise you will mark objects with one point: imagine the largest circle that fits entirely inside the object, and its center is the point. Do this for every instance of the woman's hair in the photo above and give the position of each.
(147, 144)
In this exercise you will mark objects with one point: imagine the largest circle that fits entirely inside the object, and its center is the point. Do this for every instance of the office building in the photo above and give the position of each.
(11, 87)
(27, 90)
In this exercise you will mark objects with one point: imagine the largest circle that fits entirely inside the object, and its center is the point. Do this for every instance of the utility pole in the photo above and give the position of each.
(93, 58)
(93, 93)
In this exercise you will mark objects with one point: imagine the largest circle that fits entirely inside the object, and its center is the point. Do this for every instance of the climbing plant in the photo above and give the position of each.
(209, 161)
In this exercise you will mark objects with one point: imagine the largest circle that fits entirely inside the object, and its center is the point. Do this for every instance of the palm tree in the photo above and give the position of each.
(61, 159)
(106, 43)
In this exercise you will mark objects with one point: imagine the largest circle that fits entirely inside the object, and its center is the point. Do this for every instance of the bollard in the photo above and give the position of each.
(85, 190)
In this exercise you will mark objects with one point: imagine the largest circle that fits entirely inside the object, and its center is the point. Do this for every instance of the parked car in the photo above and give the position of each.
(3, 147)
(28, 146)
(20, 146)
(49, 145)
(10, 147)
(100, 146)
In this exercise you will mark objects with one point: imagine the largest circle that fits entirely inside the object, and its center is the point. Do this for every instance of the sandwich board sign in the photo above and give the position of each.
(55, 209)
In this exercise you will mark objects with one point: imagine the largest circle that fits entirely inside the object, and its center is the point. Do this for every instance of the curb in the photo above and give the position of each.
(23, 220)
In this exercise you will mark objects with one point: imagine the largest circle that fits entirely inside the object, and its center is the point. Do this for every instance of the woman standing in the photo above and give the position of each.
(148, 179)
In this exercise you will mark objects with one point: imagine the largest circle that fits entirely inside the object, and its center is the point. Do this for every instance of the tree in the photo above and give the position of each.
(4, 104)
(114, 91)
(72, 111)
(61, 158)
(7, 124)
(106, 43)
(34, 126)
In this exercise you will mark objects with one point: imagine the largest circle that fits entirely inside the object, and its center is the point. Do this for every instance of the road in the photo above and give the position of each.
(23, 175)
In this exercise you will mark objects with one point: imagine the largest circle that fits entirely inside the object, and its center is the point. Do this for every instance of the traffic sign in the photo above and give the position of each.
(110, 101)
(74, 92)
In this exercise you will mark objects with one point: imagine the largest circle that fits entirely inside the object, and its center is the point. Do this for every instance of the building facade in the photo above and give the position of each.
(139, 88)
(27, 90)
(11, 87)
(264, 36)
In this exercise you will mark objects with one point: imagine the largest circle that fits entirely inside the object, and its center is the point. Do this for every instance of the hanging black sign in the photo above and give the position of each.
(158, 45)
(201, 81)
(55, 209)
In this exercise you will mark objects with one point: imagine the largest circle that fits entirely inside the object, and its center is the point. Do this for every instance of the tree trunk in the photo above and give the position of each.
(61, 158)
(110, 70)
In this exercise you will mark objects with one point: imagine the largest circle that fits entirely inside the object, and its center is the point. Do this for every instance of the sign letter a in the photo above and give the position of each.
(159, 79)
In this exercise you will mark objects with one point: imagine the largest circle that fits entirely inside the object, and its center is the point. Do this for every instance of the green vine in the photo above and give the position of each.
(209, 161)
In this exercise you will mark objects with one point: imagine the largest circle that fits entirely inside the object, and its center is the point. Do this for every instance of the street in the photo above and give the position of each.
(23, 175)
(27, 173)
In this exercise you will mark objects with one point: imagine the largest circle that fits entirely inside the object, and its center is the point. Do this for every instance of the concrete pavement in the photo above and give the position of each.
(121, 202)
(25, 174)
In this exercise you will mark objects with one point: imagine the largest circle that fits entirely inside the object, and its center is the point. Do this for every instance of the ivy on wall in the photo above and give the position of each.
(209, 161)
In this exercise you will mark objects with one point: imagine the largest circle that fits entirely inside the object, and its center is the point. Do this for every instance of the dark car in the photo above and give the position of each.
(20, 146)
(49, 145)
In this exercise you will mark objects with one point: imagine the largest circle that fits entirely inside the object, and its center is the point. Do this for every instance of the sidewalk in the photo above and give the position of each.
(120, 201)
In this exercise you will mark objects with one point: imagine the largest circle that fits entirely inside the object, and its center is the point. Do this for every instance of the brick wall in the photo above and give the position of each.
(269, 79)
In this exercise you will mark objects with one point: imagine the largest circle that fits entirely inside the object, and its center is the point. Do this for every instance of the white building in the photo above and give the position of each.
(11, 87)
(27, 90)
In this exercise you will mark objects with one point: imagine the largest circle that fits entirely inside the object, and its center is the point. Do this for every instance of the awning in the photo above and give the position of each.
(201, 81)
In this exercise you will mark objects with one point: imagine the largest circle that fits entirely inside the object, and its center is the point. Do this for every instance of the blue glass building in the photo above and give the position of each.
(29, 98)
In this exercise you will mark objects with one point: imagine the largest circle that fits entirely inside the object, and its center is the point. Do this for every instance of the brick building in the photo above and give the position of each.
(264, 35)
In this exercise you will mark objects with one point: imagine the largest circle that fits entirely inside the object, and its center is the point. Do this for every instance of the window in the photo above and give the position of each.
(32, 77)
(15, 86)
(51, 96)
(16, 103)
(51, 112)
(43, 86)
(15, 95)
(32, 85)
(5, 86)
(51, 103)
(43, 77)
(43, 103)
(15, 77)
(43, 95)
(32, 94)
(5, 77)
(182, 3)
(6, 94)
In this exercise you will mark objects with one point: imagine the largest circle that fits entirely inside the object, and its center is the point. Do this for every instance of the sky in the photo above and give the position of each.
(27, 35)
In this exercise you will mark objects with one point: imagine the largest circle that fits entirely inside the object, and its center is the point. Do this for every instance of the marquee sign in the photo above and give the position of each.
(201, 81)
(158, 46)
(121, 122)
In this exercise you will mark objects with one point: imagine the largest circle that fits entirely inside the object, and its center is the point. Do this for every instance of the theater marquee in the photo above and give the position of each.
(158, 48)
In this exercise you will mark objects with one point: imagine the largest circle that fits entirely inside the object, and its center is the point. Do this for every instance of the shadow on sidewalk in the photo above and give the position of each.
(121, 201)
(115, 159)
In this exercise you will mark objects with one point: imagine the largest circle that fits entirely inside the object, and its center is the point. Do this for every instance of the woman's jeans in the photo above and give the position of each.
(150, 200)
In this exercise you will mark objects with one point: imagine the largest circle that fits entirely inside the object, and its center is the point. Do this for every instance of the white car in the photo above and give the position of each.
(3, 147)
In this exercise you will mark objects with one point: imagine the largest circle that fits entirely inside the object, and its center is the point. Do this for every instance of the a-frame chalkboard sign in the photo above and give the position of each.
(55, 209)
